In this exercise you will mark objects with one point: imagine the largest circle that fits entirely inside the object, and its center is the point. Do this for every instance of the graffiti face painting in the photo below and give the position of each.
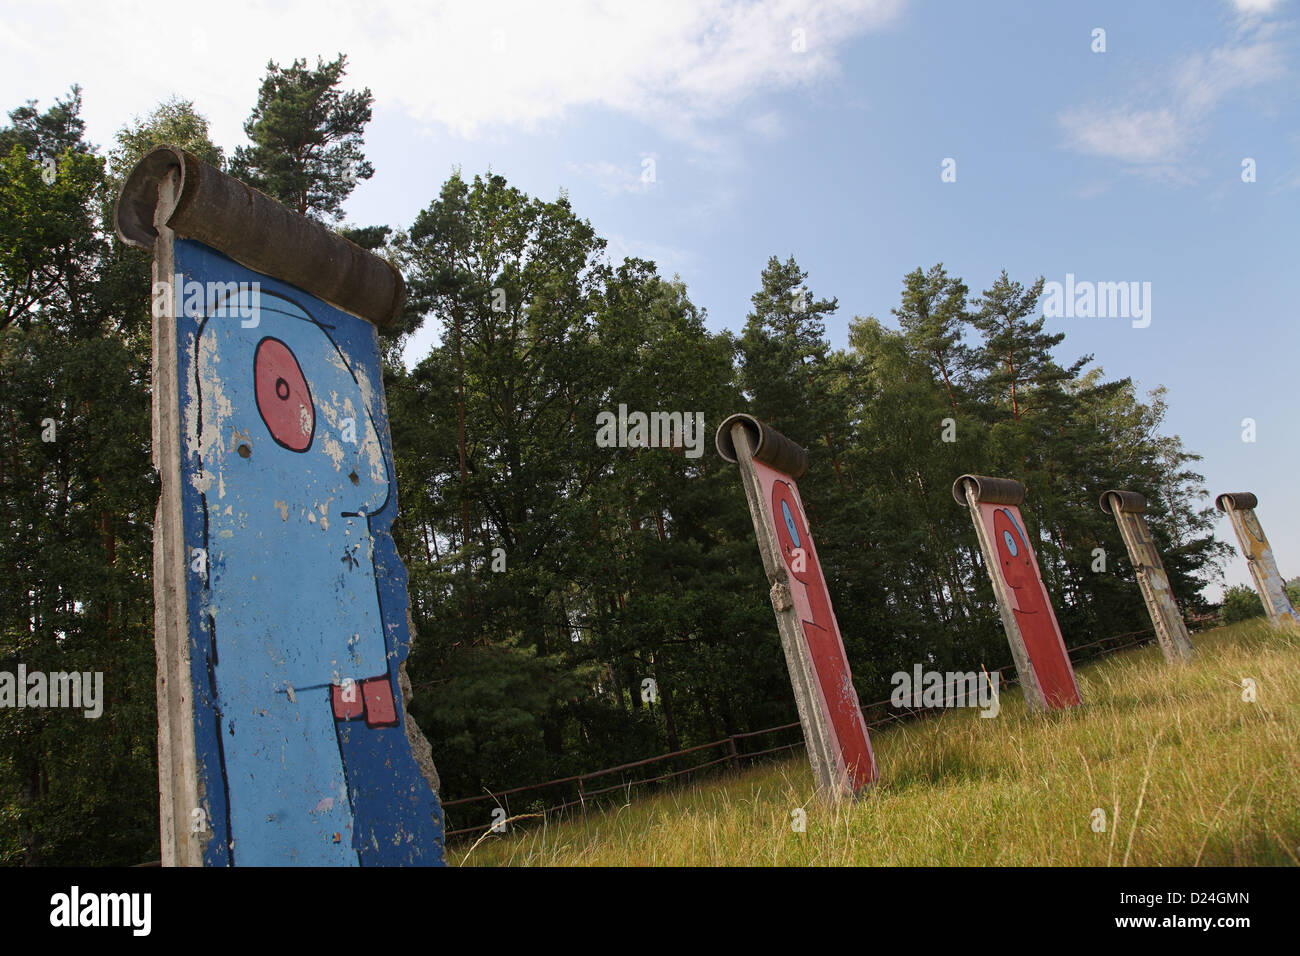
(306, 759)
(1033, 611)
(820, 631)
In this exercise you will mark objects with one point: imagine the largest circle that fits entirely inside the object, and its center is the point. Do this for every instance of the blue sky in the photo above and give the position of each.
(1123, 165)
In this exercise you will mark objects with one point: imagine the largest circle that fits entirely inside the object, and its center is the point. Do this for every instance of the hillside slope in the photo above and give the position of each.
(1185, 771)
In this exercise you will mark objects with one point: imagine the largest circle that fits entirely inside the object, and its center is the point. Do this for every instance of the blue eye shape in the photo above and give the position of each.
(789, 524)
(1010, 540)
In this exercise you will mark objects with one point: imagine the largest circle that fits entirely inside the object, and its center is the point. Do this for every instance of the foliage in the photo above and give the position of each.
(76, 498)
(1240, 603)
(306, 138)
(1164, 755)
(550, 577)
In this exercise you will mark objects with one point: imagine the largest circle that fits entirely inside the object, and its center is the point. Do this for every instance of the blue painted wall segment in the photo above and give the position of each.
(296, 595)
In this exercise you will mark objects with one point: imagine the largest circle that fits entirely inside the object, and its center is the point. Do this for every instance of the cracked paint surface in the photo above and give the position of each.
(298, 619)
(1263, 566)
(810, 598)
(1171, 630)
(1014, 560)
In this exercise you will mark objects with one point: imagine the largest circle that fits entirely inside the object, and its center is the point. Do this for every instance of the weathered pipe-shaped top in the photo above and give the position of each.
(256, 231)
(995, 491)
(1239, 500)
(770, 446)
(1130, 502)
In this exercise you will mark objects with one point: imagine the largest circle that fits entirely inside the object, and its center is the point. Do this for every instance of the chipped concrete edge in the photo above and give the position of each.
(817, 742)
(1032, 690)
(179, 787)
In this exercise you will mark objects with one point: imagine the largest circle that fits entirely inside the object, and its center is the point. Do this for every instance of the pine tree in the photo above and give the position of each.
(1016, 353)
(785, 363)
(932, 314)
(307, 138)
(76, 502)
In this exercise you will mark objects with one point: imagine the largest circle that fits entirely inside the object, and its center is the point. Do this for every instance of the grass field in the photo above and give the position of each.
(1186, 772)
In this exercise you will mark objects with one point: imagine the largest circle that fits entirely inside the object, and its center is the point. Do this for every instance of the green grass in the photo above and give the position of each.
(1185, 770)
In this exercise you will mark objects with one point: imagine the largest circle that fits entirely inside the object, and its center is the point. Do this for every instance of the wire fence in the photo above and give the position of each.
(574, 791)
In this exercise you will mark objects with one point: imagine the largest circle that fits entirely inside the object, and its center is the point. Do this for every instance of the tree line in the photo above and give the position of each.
(549, 576)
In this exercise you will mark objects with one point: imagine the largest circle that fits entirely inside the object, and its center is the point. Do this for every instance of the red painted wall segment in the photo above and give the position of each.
(836, 694)
(1033, 609)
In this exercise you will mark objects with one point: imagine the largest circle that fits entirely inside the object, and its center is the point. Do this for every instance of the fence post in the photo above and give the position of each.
(735, 754)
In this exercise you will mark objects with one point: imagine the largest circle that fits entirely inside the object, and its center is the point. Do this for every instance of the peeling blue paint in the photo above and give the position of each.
(296, 595)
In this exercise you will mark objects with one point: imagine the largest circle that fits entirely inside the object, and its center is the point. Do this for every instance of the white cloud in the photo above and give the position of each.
(1133, 136)
(669, 260)
(613, 179)
(1250, 7)
(1203, 80)
(1161, 137)
(469, 67)
(767, 126)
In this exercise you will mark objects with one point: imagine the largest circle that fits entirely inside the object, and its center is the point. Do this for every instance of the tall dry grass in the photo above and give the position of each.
(1184, 770)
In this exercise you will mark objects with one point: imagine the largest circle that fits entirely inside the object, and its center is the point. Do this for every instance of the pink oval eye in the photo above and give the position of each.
(283, 398)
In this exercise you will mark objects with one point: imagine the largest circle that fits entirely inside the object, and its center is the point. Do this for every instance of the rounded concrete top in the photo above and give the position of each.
(994, 491)
(1238, 500)
(768, 445)
(1129, 502)
(256, 231)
